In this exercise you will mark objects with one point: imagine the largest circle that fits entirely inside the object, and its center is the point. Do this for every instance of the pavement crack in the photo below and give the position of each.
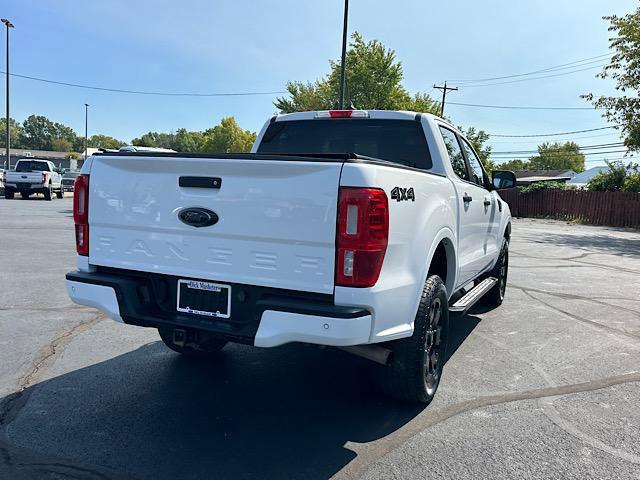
(427, 419)
(11, 405)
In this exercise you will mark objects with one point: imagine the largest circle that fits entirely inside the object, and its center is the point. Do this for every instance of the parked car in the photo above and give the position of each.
(33, 176)
(68, 179)
(357, 229)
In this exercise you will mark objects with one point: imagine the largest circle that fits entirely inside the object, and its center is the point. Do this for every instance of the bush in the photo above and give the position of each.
(614, 180)
(537, 186)
(632, 183)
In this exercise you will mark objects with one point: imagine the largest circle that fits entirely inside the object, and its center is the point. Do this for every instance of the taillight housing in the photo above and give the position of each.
(81, 213)
(362, 237)
(44, 178)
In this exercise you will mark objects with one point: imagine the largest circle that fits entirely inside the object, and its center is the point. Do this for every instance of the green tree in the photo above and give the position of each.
(103, 141)
(189, 141)
(558, 156)
(478, 139)
(624, 69)
(227, 136)
(613, 179)
(632, 183)
(513, 165)
(373, 82)
(155, 139)
(16, 133)
(40, 133)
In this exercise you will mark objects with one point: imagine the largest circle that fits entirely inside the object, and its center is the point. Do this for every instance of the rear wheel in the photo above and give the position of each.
(48, 193)
(417, 361)
(9, 194)
(191, 343)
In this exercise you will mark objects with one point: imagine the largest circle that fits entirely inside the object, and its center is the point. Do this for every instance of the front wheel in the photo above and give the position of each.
(192, 344)
(495, 296)
(417, 361)
(60, 193)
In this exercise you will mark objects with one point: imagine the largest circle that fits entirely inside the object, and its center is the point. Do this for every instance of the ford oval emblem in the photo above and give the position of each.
(198, 217)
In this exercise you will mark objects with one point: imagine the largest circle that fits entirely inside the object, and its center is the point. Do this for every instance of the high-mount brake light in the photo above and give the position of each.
(342, 114)
(362, 237)
(81, 213)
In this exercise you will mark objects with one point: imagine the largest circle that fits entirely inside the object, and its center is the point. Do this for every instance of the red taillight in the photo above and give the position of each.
(81, 213)
(44, 178)
(340, 113)
(363, 233)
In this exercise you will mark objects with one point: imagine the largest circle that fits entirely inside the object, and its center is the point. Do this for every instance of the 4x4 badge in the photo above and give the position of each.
(403, 194)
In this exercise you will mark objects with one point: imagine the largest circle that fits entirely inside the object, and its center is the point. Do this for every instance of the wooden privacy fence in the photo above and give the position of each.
(616, 209)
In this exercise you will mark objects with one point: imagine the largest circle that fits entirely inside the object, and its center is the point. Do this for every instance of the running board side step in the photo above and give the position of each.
(472, 296)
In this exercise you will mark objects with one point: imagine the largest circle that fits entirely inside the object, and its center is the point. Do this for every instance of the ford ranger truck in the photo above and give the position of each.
(33, 176)
(357, 229)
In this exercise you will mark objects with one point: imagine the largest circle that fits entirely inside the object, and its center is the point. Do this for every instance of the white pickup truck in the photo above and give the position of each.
(350, 228)
(33, 176)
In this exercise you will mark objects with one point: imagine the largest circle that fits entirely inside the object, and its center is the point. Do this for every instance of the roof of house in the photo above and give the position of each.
(546, 174)
(584, 177)
(27, 152)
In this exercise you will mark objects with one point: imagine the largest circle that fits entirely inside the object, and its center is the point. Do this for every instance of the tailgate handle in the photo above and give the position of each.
(200, 182)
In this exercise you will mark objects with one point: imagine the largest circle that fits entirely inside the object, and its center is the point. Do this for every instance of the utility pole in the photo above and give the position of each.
(86, 129)
(444, 89)
(344, 54)
(9, 25)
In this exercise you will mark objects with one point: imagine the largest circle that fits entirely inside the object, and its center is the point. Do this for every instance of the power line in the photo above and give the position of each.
(519, 107)
(575, 64)
(551, 134)
(561, 148)
(563, 140)
(141, 92)
(508, 157)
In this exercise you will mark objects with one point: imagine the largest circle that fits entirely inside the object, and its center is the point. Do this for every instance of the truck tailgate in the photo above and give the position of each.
(276, 227)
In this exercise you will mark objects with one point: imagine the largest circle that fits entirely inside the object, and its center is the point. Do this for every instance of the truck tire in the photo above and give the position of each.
(47, 193)
(9, 194)
(60, 193)
(203, 349)
(416, 363)
(495, 296)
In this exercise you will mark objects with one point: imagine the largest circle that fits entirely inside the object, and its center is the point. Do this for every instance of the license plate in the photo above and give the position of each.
(204, 298)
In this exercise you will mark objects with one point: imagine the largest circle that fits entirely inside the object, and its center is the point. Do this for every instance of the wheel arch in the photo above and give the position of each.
(442, 259)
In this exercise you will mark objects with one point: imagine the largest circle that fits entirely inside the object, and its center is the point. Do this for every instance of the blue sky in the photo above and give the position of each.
(240, 46)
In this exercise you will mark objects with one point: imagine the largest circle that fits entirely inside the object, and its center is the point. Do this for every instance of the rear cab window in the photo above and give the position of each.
(32, 166)
(397, 141)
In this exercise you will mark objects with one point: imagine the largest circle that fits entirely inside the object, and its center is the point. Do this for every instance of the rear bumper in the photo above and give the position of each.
(261, 316)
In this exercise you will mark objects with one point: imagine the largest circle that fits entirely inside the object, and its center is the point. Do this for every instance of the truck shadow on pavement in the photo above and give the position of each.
(605, 244)
(248, 413)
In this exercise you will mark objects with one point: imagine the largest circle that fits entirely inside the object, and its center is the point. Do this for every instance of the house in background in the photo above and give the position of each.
(527, 177)
(60, 159)
(581, 179)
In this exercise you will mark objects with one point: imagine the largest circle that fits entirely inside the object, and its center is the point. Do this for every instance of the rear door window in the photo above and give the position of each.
(455, 153)
(398, 141)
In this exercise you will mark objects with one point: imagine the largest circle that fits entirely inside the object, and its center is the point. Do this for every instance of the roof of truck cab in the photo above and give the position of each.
(373, 114)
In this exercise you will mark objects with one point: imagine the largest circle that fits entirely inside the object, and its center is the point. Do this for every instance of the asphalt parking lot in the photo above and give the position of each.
(547, 386)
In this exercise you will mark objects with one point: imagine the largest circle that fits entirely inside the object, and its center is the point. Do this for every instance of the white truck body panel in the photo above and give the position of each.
(277, 220)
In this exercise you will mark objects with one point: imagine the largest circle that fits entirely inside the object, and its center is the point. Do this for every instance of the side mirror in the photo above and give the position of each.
(503, 179)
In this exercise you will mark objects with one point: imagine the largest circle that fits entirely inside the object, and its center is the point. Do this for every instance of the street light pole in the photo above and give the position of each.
(86, 129)
(9, 25)
(344, 53)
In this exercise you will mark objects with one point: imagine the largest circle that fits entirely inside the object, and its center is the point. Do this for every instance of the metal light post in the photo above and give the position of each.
(344, 53)
(86, 129)
(9, 25)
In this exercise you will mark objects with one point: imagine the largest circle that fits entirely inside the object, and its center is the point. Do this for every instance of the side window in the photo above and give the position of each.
(455, 153)
(476, 171)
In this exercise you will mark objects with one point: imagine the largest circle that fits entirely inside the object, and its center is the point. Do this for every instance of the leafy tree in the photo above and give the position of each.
(16, 133)
(40, 133)
(227, 136)
(373, 77)
(632, 183)
(624, 68)
(155, 139)
(557, 156)
(103, 141)
(189, 141)
(513, 165)
(478, 139)
(60, 145)
(613, 180)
